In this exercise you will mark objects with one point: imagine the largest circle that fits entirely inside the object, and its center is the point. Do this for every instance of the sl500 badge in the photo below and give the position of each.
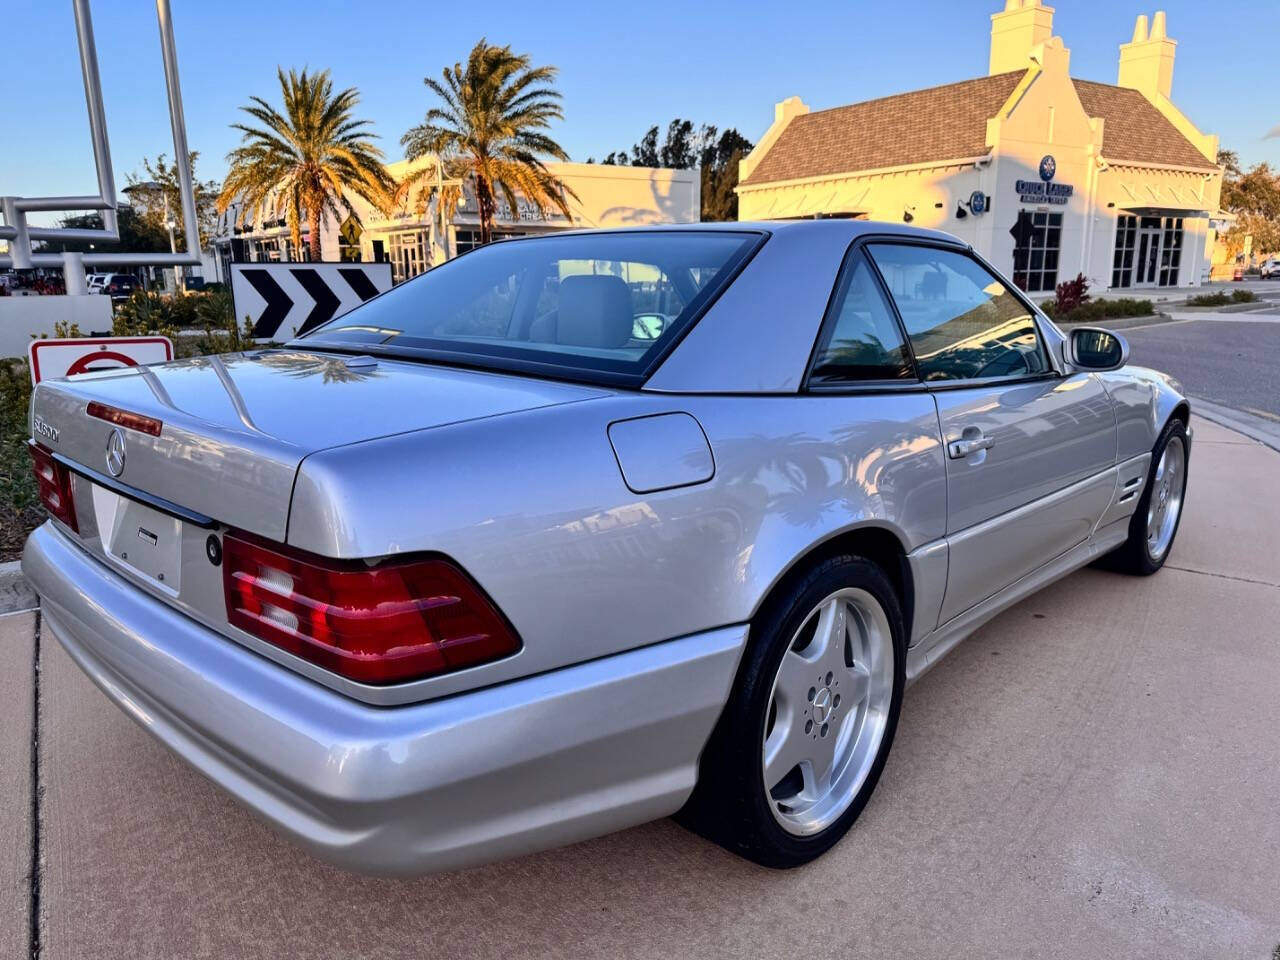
(46, 430)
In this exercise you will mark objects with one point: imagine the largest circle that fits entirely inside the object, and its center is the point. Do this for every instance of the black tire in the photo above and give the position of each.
(1134, 555)
(729, 805)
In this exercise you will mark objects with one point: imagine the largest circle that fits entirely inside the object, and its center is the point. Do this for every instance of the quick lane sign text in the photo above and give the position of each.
(1037, 191)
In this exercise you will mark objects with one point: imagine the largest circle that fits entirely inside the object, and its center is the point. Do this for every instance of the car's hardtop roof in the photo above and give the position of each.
(850, 229)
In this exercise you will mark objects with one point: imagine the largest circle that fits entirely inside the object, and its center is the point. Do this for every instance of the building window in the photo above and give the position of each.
(1148, 251)
(408, 254)
(1171, 252)
(465, 240)
(1126, 243)
(1037, 240)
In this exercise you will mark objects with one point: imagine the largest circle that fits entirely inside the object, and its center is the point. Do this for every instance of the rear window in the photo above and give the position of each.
(604, 306)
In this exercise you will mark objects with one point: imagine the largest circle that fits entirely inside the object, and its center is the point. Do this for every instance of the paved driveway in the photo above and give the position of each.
(1232, 359)
(1093, 775)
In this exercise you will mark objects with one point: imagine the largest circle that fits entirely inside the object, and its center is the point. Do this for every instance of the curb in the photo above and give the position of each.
(1254, 306)
(1120, 323)
(15, 593)
(1266, 432)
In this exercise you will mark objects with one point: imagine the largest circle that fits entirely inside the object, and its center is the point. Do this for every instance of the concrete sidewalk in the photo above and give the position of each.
(1093, 775)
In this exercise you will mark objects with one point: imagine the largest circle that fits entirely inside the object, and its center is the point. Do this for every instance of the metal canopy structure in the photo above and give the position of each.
(15, 209)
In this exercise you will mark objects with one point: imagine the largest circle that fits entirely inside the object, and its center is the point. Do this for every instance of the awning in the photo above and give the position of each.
(1168, 212)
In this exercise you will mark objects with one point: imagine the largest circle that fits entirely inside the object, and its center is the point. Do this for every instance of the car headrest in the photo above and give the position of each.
(594, 311)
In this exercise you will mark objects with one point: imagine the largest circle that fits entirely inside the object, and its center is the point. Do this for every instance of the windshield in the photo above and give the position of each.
(602, 306)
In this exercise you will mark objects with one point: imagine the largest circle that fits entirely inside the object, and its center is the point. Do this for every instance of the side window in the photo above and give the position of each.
(863, 342)
(964, 324)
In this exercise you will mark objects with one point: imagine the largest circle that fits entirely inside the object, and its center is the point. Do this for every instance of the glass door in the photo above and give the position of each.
(1146, 267)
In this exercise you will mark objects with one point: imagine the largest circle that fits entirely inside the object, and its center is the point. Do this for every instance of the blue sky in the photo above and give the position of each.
(623, 67)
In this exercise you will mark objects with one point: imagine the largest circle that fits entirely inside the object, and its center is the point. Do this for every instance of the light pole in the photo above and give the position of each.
(438, 223)
(170, 223)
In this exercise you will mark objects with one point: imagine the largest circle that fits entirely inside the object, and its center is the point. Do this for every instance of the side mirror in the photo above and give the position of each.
(1093, 348)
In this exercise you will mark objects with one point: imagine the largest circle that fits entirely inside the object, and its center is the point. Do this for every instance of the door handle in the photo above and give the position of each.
(958, 449)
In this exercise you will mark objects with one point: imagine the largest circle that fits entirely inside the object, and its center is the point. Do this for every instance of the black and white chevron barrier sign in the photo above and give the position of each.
(286, 300)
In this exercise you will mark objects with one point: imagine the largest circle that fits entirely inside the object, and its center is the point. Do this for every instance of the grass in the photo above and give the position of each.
(20, 509)
(1221, 298)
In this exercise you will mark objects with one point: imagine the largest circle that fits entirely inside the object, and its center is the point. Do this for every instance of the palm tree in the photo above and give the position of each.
(489, 126)
(302, 162)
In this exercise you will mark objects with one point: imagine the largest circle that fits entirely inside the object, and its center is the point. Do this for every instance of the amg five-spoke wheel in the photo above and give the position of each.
(1154, 523)
(809, 724)
(1165, 505)
(828, 710)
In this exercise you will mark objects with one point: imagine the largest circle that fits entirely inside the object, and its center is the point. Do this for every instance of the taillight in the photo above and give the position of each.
(123, 418)
(388, 623)
(54, 482)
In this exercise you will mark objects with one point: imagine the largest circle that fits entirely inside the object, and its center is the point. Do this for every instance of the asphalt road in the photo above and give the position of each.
(1092, 775)
(1228, 358)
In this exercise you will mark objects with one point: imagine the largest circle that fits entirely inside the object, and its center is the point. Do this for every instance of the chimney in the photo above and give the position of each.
(1146, 62)
(1022, 25)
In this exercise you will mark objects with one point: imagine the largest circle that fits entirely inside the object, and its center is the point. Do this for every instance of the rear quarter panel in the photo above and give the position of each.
(533, 505)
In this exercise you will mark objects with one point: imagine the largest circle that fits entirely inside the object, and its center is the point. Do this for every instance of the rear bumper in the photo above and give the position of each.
(518, 767)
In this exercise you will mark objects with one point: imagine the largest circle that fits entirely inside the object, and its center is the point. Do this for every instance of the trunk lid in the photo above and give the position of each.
(236, 427)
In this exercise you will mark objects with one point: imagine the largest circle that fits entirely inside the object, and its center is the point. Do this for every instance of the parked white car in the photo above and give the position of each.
(1270, 268)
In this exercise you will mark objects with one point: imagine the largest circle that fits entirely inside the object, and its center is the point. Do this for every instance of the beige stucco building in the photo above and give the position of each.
(602, 196)
(1046, 175)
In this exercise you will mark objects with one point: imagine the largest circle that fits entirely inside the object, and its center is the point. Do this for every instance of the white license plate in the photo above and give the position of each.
(145, 540)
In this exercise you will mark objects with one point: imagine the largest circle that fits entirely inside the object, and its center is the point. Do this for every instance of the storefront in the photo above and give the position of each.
(601, 196)
(1046, 175)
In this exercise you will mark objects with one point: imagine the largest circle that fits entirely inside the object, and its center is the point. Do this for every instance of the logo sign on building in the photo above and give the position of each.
(978, 202)
(1044, 190)
(285, 300)
(65, 358)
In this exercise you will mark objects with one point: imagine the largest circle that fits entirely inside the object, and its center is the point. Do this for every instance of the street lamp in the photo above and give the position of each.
(169, 222)
(438, 222)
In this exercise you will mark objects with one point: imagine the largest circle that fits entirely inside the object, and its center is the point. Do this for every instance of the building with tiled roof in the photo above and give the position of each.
(1045, 174)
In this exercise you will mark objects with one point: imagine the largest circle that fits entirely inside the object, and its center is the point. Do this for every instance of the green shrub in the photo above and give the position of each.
(1094, 311)
(1221, 298)
(20, 509)
(146, 311)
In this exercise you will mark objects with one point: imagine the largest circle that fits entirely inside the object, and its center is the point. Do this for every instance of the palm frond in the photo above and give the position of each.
(302, 158)
(489, 123)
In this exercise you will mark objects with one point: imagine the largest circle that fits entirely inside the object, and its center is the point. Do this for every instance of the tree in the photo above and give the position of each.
(1254, 197)
(160, 182)
(680, 149)
(645, 153)
(719, 162)
(488, 127)
(304, 161)
(136, 234)
(717, 154)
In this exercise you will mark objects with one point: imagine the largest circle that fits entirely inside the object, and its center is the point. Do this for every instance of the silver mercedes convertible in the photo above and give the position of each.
(578, 531)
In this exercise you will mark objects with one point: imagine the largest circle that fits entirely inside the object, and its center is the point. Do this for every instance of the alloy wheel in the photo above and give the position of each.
(1165, 504)
(828, 711)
